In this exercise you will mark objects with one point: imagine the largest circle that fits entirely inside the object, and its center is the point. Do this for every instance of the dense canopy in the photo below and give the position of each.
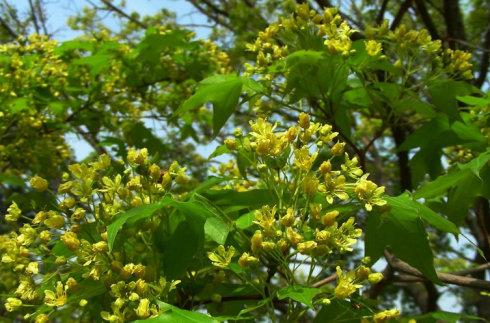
(284, 161)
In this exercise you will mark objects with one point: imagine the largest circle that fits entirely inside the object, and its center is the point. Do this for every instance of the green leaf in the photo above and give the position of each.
(473, 100)
(220, 150)
(405, 203)
(174, 314)
(11, 180)
(183, 246)
(444, 93)
(252, 198)
(314, 74)
(299, 293)
(402, 230)
(97, 63)
(441, 316)
(409, 103)
(57, 107)
(221, 90)
(130, 216)
(18, 105)
(477, 163)
(245, 221)
(216, 229)
(440, 185)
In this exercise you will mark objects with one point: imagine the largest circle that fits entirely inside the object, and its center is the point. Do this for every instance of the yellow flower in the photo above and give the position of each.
(386, 315)
(338, 148)
(12, 304)
(304, 120)
(54, 220)
(303, 160)
(13, 212)
(143, 309)
(247, 260)
(57, 298)
(42, 318)
(221, 257)
(138, 157)
(265, 218)
(306, 247)
(70, 239)
(230, 143)
(373, 47)
(345, 284)
(369, 193)
(375, 278)
(256, 241)
(32, 268)
(288, 219)
(334, 187)
(293, 236)
(39, 184)
(329, 218)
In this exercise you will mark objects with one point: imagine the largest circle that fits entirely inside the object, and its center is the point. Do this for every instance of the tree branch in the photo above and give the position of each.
(485, 60)
(447, 278)
(399, 15)
(454, 23)
(120, 12)
(33, 17)
(325, 281)
(426, 19)
(381, 12)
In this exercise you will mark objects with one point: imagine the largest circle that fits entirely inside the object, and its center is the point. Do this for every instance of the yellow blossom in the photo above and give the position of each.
(386, 315)
(70, 239)
(369, 193)
(39, 184)
(375, 278)
(32, 268)
(373, 48)
(221, 257)
(42, 318)
(346, 285)
(12, 304)
(57, 298)
(13, 213)
(143, 309)
(247, 260)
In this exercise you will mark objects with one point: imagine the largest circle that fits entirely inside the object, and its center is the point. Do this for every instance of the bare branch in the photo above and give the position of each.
(426, 19)
(381, 12)
(34, 17)
(120, 12)
(325, 281)
(399, 15)
(485, 60)
(454, 23)
(452, 279)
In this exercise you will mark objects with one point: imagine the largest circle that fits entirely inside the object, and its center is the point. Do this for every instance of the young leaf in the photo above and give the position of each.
(131, 216)
(299, 293)
(216, 229)
(403, 231)
(223, 91)
(245, 221)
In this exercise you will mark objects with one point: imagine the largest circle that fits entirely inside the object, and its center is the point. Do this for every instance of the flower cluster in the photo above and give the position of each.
(67, 262)
(313, 179)
(62, 257)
